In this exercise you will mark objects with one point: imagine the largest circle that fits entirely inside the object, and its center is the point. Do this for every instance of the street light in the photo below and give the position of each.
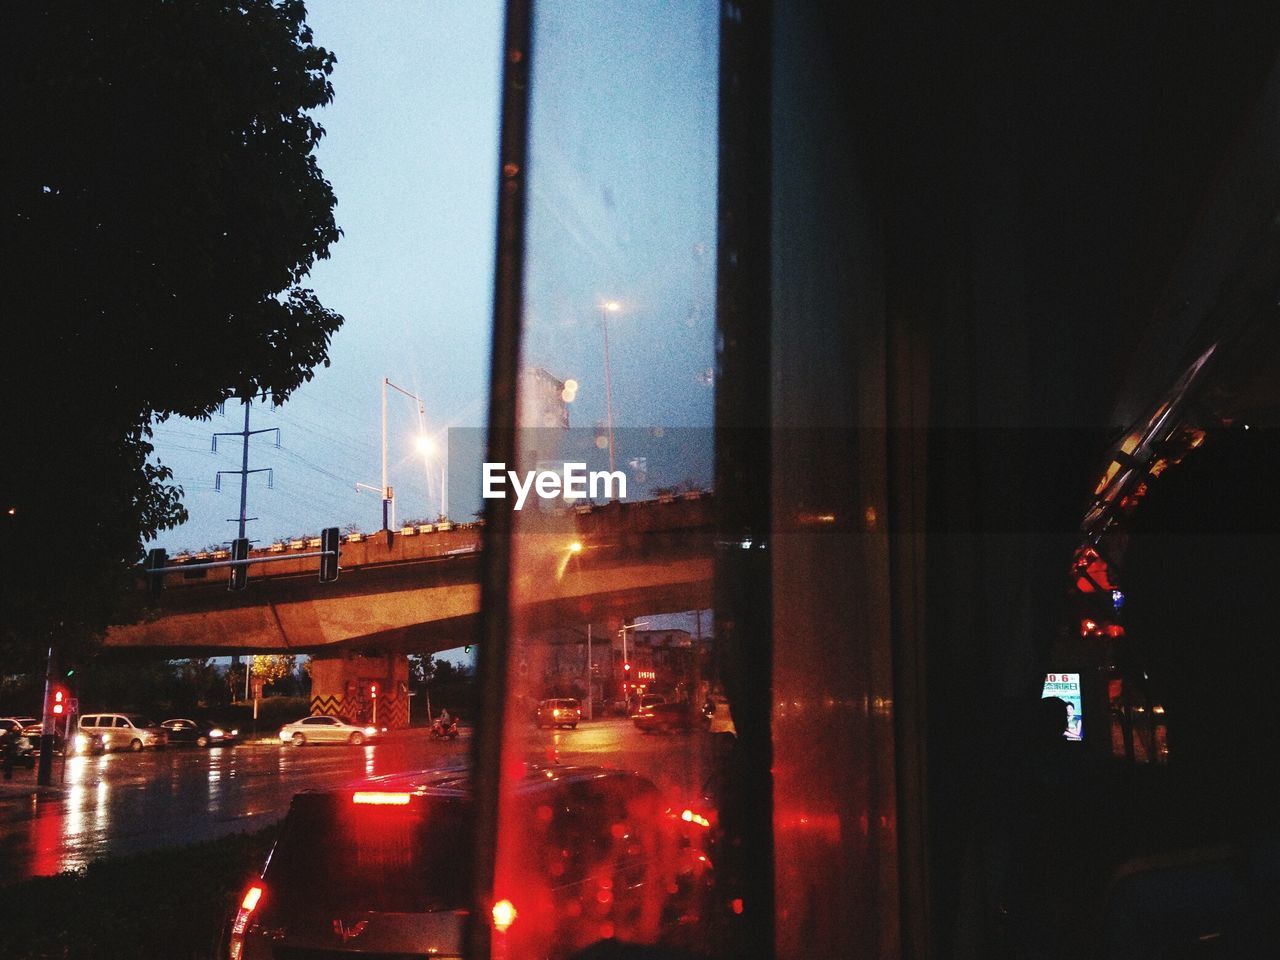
(386, 491)
(606, 308)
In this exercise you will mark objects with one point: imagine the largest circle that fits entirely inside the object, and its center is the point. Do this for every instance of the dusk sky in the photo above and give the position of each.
(621, 208)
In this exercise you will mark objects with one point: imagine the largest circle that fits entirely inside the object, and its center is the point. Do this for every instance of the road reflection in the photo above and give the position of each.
(123, 803)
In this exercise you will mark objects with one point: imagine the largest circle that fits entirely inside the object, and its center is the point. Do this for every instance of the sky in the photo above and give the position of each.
(410, 148)
(621, 208)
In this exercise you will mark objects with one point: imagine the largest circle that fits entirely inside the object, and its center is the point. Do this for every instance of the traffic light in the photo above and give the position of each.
(156, 561)
(59, 706)
(239, 575)
(330, 542)
(373, 691)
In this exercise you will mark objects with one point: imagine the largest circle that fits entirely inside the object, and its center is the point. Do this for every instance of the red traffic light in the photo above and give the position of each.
(626, 667)
(373, 691)
(59, 702)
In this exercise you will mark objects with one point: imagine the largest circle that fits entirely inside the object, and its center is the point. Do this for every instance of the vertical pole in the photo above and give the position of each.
(45, 774)
(386, 494)
(626, 677)
(244, 470)
(608, 385)
(697, 656)
(590, 695)
(248, 669)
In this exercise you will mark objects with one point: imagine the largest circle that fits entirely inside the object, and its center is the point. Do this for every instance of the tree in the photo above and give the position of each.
(271, 668)
(160, 208)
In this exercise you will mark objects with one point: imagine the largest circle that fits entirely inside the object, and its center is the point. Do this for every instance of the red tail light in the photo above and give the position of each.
(504, 915)
(248, 904)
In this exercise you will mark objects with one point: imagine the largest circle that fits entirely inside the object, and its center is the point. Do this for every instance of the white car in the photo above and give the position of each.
(325, 730)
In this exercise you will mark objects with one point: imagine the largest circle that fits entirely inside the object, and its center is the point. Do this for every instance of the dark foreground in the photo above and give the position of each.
(168, 904)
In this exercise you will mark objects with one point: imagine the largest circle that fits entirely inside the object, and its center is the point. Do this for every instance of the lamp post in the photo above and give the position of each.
(388, 495)
(626, 680)
(606, 308)
(590, 692)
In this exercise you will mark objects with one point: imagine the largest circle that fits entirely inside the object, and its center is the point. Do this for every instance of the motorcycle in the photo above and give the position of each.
(440, 731)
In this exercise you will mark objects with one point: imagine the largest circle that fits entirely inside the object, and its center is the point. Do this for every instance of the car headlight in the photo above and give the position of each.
(217, 733)
(82, 742)
(235, 733)
(370, 731)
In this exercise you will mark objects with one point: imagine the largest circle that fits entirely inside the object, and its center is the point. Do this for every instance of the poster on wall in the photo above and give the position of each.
(1066, 687)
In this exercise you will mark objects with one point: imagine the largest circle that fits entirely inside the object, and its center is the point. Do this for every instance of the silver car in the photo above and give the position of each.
(325, 730)
(121, 731)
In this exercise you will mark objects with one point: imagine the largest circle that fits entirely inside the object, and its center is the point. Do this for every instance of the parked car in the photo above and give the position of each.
(25, 748)
(122, 731)
(560, 712)
(382, 868)
(664, 718)
(326, 730)
(34, 733)
(203, 733)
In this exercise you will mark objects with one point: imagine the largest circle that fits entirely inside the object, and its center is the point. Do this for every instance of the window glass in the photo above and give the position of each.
(376, 858)
(611, 597)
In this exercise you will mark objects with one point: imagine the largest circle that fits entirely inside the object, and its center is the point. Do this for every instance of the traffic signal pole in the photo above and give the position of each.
(44, 775)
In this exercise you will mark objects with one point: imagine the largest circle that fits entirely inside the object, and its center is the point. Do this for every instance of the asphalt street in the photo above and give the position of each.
(121, 803)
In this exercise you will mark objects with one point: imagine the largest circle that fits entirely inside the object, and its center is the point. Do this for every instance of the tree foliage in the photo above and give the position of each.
(160, 208)
(271, 668)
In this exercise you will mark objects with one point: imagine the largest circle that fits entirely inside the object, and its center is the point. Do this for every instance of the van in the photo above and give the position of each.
(123, 731)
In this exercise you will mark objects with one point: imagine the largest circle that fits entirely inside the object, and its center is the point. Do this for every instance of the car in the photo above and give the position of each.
(25, 747)
(650, 700)
(664, 718)
(203, 733)
(381, 867)
(121, 731)
(34, 732)
(559, 712)
(321, 729)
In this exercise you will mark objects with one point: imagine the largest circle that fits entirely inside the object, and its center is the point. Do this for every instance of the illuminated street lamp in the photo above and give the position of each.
(388, 495)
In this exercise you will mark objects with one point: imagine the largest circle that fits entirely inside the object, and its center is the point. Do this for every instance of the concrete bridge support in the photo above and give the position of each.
(342, 686)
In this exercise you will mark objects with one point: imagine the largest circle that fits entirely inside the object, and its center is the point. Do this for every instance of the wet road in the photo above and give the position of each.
(128, 803)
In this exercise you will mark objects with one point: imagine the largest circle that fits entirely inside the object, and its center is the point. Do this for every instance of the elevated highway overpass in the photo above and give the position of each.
(401, 593)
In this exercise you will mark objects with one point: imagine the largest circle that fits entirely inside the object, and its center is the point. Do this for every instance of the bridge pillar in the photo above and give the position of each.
(341, 686)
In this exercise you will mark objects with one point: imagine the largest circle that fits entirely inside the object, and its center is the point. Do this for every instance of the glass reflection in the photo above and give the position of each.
(611, 657)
